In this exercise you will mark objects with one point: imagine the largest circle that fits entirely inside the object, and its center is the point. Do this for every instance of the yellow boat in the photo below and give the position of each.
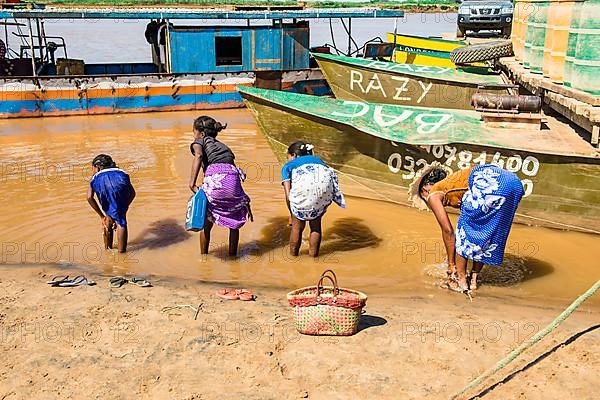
(429, 43)
(425, 50)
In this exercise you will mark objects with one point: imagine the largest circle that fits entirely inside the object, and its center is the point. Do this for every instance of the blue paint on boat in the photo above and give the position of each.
(119, 104)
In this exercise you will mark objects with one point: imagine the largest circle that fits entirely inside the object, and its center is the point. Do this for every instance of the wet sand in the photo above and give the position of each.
(101, 343)
(417, 341)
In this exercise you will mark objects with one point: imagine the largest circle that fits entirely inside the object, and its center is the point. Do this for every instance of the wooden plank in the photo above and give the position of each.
(527, 121)
(579, 107)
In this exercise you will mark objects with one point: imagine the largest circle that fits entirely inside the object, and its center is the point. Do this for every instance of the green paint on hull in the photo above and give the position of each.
(404, 84)
(561, 191)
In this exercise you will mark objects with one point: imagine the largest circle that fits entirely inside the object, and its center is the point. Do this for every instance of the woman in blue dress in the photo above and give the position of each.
(113, 188)
(488, 197)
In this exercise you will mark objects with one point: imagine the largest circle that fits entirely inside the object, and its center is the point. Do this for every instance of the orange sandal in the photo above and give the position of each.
(235, 294)
(228, 294)
(245, 295)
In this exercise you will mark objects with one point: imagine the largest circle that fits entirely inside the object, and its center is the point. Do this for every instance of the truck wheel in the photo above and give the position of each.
(460, 32)
(482, 52)
(506, 32)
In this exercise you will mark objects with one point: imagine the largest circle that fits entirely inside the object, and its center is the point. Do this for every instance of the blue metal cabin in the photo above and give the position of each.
(223, 49)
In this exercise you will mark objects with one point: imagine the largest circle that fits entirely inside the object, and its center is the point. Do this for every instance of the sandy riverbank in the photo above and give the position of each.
(97, 342)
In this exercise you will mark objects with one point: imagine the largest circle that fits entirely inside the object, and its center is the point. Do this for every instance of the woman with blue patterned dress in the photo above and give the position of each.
(488, 197)
(310, 187)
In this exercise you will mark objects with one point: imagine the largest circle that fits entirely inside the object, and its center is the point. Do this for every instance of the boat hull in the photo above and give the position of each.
(89, 95)
(392, 85)
(561, 191)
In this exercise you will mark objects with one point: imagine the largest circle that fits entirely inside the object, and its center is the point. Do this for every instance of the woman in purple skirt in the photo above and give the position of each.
(228, 204)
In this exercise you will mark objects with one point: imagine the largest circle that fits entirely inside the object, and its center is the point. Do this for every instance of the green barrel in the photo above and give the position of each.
(537, 26)
(572, 44)
(585, 74)
(528, 33)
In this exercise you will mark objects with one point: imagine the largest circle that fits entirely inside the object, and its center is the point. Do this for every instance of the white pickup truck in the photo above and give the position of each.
(476, 15)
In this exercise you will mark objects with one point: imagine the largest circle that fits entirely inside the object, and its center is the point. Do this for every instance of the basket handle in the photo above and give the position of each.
(328, 274)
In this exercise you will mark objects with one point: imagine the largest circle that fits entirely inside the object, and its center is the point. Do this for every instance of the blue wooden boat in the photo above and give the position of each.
(194, 67)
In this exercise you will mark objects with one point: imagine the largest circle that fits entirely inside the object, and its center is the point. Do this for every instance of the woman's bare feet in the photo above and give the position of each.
(457, 284)
(473, 281)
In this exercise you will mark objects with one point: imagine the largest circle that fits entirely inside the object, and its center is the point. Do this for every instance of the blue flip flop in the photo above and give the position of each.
(140, 281)
(79, 280)
(58, 279)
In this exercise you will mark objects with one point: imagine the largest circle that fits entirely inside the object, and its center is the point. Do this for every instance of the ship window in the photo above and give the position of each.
(228, 50)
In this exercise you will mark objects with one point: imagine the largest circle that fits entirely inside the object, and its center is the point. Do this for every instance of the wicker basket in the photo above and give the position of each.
(327, 310)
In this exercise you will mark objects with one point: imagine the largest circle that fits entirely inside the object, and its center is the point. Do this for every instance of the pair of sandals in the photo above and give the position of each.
(118, 281)
(235, 294)
(66, 281)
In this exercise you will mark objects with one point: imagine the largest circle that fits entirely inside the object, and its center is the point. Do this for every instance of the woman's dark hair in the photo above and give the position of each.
(208, 125)
(103, 161)
(300, 148)
(431, 178)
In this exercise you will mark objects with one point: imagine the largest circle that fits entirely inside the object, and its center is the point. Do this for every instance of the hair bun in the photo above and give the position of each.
(219, 126)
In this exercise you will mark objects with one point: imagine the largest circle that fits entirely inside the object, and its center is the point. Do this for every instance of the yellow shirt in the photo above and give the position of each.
(454, 186)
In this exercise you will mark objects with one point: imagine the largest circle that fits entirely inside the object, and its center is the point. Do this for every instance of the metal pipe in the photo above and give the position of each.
(349, 37)
(44, 34)
(168, 49)
(39, 38)
(31, 46)
(395, 35)
(506, 102)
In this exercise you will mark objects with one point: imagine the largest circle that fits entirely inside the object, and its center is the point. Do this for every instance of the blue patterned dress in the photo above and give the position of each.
(486, 214)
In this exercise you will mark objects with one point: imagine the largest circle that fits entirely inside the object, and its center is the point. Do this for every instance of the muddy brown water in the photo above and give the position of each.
(373, 246)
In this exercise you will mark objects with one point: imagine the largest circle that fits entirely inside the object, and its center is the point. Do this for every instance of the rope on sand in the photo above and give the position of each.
(530, 342)
(197, 310)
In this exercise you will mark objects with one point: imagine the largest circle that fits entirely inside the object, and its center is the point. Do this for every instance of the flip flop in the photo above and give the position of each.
(117, 281)
(228, 294)
(58, 279)
(79, 280)
(245, 295)
(140, 282)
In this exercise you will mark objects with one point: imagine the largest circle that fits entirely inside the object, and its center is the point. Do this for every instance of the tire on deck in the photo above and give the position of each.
(482, 52)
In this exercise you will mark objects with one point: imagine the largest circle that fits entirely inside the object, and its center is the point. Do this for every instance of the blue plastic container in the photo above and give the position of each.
(196, 212)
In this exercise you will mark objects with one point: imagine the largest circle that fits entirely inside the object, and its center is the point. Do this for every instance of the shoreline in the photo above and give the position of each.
(97, 342)
(427, 288)
(449, 7)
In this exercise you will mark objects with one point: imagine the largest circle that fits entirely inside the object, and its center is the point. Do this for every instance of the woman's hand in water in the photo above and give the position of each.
(250, 215)
(193, 188)
(107, 223)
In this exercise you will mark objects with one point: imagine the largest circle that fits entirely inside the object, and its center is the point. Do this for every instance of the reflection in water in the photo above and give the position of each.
(159, 234)
(515, 270)
(347, 234)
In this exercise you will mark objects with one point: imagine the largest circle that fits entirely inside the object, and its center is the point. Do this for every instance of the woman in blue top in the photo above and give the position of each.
(115, 193)
(310, 186)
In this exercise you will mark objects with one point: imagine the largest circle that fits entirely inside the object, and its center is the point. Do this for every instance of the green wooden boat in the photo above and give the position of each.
(377, 150)
(405, 84)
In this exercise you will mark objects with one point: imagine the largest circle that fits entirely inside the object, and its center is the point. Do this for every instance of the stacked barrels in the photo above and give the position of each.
(561, 40)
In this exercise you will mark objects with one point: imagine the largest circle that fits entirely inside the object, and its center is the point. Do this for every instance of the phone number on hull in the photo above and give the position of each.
(464, 159)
